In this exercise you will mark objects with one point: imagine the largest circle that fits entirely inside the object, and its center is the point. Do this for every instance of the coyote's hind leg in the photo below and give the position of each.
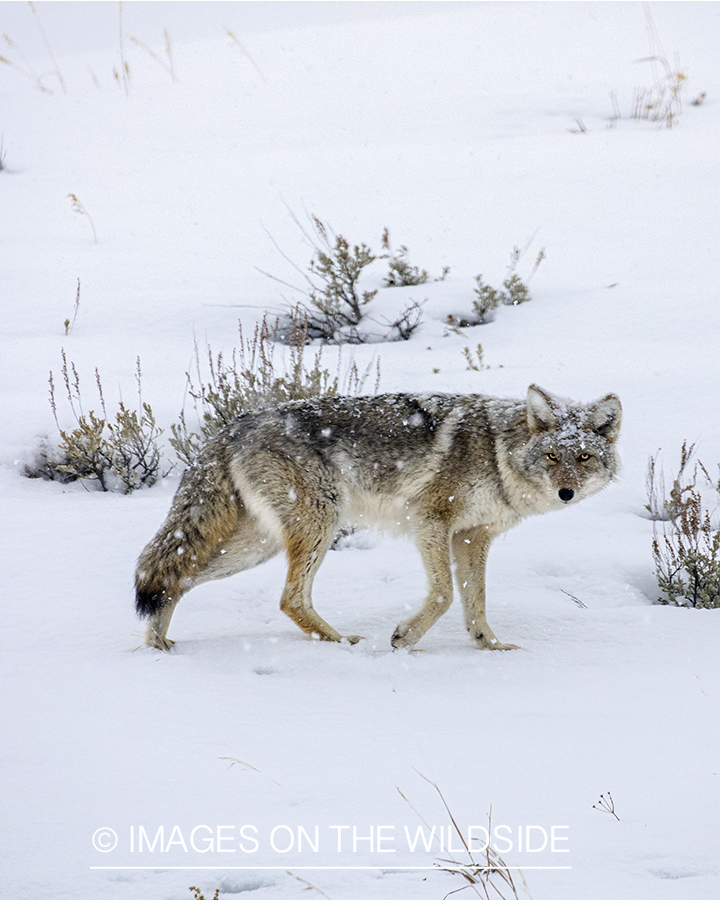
(306, 550)
(189, 551)
(157, 626)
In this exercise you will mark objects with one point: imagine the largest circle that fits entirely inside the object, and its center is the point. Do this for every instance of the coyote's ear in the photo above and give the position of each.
(540, 414)
(606, 416)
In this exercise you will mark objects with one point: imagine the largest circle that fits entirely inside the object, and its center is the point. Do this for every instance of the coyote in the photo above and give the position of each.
(453, 471)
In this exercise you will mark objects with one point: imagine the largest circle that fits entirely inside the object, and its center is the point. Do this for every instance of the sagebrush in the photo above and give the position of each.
(116, 453)
(400, 272)
(337, 299)
(686, 539)
(252, 378)
(513, 292)
(336, 307)
(121, 452)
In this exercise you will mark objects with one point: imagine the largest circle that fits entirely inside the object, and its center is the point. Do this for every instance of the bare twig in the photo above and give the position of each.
(48, 48)
(124, 68)
(68, 322)
(28, 72)
(80, 209)
(606, 804)
(244, 51)
(150, 52)
(576, 600)
(308, 885)
(494, 873)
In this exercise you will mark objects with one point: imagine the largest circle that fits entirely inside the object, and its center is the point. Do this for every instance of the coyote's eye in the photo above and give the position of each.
(551, 457)
(584, 457)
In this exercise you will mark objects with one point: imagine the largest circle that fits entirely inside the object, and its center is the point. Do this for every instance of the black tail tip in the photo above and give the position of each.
(148, 602)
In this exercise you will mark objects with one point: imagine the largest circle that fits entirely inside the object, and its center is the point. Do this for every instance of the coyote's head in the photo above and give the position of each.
(571, 452)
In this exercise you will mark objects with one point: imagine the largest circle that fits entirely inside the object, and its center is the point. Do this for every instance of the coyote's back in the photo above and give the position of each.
(451, 470)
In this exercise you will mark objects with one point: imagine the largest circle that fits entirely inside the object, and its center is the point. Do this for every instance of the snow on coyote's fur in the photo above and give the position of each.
(453, 471)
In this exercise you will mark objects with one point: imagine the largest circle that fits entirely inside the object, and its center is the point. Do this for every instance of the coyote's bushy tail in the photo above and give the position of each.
(203, 515)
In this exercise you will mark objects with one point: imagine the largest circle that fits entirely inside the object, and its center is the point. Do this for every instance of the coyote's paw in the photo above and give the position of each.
(484, 637)
(403, 636)
(160, 643)
(490, 642)
(352, 638)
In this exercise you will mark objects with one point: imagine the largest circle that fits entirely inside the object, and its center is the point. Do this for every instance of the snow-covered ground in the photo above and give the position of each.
(465, 129)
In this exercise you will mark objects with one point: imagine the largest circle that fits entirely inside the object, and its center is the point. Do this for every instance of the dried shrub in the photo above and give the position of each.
(338, 298)
(200, 896)
(661, 507)
(251, 379)
(514, 289)
(488, 877)
(487, 300)
(117, 454)
(686, 544)
(336, 309)
(662, 101)
(400, 272)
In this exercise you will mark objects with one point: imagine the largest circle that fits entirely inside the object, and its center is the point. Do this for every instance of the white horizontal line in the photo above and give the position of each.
(326, 868)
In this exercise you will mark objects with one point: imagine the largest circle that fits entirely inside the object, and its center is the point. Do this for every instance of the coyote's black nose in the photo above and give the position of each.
(566, 494)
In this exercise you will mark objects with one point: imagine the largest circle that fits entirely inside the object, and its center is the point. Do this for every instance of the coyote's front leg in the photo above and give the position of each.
(470, 550)
(433, 542)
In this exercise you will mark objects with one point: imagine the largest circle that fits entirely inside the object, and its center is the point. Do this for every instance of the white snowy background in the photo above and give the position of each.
(456, 126)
